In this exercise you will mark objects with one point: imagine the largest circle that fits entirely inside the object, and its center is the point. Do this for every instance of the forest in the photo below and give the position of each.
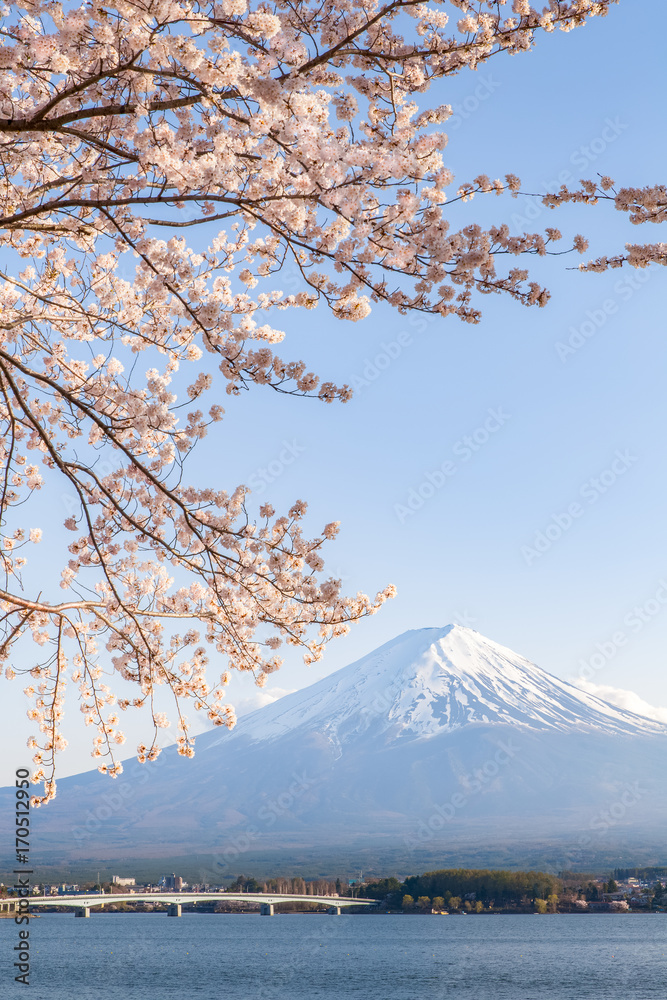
(454, 887)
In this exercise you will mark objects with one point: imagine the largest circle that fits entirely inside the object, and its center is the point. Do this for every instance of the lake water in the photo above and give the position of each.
(225, 957)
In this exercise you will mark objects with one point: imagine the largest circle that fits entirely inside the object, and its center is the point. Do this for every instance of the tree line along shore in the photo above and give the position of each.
(444, 891)
(464, 890)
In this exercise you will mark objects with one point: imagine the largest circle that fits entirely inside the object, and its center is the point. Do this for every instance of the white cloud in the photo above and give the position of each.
(627, 700)
(258, 699)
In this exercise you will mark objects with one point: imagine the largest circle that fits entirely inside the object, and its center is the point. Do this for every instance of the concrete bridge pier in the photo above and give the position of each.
(175, 910)
(266, 910)
(83, 911)
(335, 910)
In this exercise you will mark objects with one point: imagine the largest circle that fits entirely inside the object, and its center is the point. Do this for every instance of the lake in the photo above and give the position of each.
(374, 957)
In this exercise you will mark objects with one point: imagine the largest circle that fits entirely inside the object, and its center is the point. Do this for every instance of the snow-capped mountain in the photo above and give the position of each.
(438, 736)
(433, 681)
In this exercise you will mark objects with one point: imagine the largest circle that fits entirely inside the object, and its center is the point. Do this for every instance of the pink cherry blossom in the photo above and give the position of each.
(265, 134)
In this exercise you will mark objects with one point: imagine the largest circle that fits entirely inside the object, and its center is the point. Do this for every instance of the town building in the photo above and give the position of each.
(174, 882)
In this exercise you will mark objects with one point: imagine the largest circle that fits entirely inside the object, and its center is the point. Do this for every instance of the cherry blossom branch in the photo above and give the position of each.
(285, 134)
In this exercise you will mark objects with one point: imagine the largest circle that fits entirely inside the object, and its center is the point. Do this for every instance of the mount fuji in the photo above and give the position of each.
(440, 737)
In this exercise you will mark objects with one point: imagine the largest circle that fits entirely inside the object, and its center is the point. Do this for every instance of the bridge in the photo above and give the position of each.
(83, 903)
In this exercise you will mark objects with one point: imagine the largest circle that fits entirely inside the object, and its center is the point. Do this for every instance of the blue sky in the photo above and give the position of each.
(553, 432)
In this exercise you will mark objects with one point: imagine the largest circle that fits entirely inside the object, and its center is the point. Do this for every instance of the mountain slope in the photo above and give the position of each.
(439, 736)
(431, 681)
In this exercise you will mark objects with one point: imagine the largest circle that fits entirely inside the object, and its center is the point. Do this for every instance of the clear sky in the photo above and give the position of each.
(547, 427)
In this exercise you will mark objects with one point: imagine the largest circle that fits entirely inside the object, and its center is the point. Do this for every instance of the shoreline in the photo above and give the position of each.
(310, 913)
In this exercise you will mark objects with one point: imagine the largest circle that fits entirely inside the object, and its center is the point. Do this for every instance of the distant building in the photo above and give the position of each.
(173, 882)
(121, 880)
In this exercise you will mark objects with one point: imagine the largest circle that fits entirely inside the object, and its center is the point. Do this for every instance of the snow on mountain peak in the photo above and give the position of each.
(372, 754)
(435, 680)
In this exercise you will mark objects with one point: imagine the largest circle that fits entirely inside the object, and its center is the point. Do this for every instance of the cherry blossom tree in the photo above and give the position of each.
(647, 204)
(265, 134)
